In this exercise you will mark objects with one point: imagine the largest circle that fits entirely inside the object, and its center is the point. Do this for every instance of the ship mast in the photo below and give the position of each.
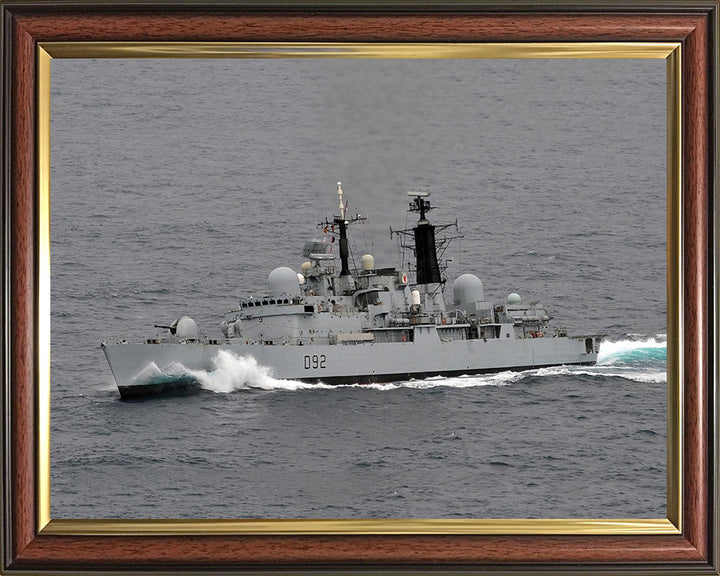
(342, 223)
(338, 226)
(426, 246)
(428, 270)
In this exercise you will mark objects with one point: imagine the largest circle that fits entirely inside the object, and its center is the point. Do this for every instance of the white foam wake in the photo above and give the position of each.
(465, 381)
(627, 373)
(231, 372)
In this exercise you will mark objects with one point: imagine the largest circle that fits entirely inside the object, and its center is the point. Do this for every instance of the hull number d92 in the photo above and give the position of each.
(314, 362)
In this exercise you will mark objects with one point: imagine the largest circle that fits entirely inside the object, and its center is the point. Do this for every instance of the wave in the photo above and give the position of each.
(600, 370)
(633, 351)
(465, 381)
(231, 373)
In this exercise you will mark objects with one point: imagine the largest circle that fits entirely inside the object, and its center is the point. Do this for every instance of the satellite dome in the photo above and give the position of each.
(467, 289)
(283, 281)
(186, 329)
(368, 262)
(514, 298)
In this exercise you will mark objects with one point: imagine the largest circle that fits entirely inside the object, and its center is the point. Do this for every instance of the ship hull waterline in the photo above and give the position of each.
(148, 369)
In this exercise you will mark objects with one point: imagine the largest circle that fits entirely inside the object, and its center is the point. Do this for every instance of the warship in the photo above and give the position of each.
(358, 326)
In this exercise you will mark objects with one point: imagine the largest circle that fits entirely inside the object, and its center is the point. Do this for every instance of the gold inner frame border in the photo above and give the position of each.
(669, 51)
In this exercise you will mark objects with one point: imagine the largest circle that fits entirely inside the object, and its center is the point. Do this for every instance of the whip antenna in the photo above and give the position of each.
(342, 206)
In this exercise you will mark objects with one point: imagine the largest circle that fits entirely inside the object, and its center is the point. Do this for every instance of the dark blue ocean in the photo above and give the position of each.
(178, 185)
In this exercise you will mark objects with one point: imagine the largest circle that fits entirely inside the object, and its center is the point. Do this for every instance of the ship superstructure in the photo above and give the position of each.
(359, 326)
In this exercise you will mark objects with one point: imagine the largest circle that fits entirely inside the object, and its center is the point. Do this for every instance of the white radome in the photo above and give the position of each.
(283, 281)
(186, 329)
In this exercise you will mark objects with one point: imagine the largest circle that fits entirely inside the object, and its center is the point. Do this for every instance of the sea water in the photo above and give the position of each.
(178, 185)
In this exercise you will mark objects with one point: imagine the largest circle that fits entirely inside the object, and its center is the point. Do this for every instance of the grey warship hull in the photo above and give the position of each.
(145, 369)
(360, 326)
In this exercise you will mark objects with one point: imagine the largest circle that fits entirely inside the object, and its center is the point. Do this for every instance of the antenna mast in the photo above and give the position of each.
(342, 205)
(340, 224)
(428, 270)
(344, 247)
(427, 267)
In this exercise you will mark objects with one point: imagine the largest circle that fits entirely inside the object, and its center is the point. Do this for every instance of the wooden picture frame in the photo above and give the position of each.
(686, 543)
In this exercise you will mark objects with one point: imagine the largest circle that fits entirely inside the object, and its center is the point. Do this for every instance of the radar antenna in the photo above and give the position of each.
(419, 204)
